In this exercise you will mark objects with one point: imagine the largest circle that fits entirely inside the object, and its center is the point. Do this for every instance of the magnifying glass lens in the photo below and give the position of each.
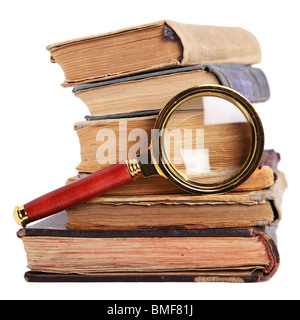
(206, 139)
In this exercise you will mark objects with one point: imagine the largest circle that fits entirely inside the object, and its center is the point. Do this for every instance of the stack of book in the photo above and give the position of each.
(151, 230)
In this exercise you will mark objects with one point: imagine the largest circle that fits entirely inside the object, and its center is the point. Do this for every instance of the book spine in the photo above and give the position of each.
(250, 82)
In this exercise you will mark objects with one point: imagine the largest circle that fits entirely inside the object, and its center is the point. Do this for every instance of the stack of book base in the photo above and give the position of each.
(228, 238)
(228, 255)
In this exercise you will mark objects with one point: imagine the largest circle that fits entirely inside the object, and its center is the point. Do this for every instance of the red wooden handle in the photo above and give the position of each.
(78, 191)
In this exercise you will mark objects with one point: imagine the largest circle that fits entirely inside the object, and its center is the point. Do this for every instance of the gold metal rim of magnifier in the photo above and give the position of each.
(166, 169)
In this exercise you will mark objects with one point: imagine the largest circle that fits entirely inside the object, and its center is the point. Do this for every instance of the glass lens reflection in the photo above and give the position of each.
(207, 139)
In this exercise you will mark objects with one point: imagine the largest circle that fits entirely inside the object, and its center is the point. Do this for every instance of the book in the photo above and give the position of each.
(151, 91)
(180, 211)
(173, 44)
(262, 178)
(149, 255)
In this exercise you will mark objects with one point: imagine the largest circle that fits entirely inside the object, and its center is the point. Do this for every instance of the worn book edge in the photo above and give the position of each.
(247, 80)
(194, 39)
(228, 276)
(273, 196)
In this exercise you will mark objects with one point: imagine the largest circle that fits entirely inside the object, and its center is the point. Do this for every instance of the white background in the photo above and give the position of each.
(40, 150)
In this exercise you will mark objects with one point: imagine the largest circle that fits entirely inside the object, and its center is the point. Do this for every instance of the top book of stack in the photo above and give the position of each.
(155, 46)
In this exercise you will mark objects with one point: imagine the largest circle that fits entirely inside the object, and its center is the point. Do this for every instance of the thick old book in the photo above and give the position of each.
(180, 211)
(234, 255)
(97, 154)
(262, 178)
(172, 44)
(151, 91)
(108, 141)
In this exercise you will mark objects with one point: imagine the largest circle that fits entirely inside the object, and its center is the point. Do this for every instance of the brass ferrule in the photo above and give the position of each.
(20, 216)
(134, 168)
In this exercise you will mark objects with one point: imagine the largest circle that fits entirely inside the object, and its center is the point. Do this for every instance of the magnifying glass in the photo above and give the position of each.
(207, 140)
